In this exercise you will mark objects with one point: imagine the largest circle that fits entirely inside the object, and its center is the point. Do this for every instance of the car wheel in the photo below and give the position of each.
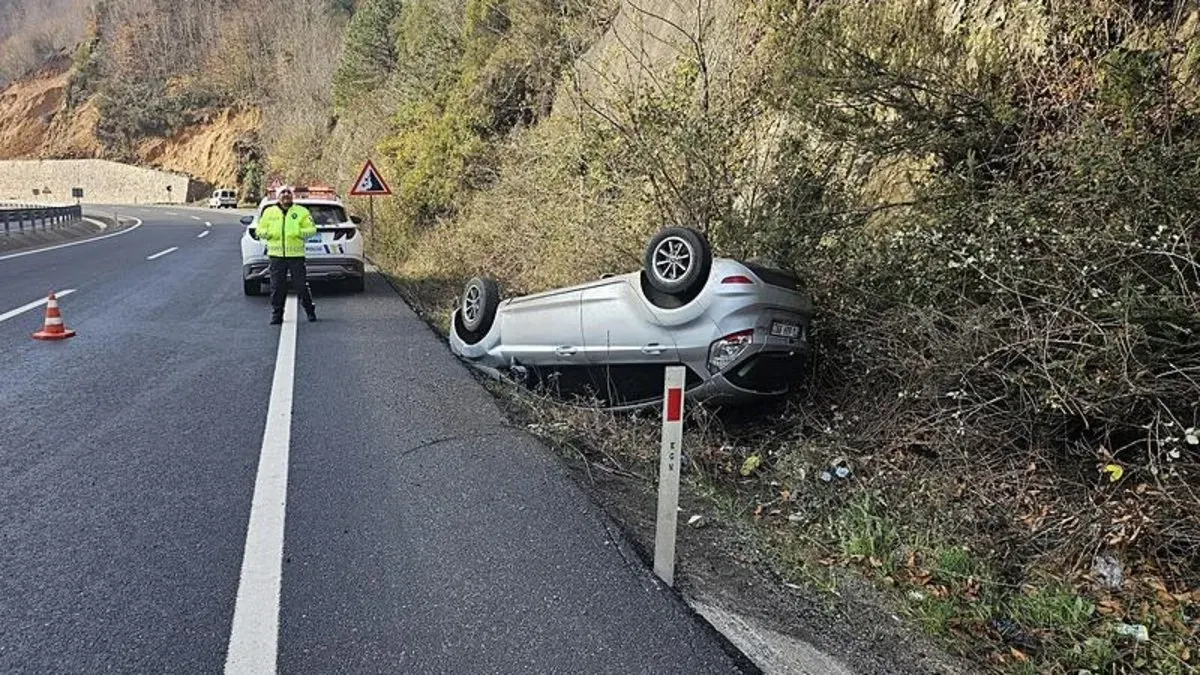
(477, 309)
(677, 261)
(251, 287)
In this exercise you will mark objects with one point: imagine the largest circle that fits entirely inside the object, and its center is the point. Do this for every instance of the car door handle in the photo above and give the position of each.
(566, 351)
(653, 348)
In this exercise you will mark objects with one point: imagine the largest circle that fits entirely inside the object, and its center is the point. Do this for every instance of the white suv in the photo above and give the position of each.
(334, 254)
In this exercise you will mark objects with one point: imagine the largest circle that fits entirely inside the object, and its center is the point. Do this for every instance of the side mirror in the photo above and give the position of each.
(246, 220)
(357, 220)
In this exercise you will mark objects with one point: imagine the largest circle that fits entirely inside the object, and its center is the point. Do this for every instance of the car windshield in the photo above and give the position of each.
(325, 214)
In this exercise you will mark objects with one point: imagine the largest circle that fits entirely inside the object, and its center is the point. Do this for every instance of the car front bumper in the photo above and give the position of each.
(318, 269)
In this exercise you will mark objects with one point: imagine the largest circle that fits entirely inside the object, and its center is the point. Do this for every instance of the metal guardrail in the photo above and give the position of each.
(17, 218)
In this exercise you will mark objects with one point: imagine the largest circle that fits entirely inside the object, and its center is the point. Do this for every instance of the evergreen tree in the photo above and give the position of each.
(370, 53)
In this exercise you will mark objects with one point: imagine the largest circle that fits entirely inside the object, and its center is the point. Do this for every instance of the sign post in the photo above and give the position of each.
(668, 474)
(369, 184)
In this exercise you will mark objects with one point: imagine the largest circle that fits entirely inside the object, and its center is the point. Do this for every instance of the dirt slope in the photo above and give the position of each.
(205, 150)
(35, 124)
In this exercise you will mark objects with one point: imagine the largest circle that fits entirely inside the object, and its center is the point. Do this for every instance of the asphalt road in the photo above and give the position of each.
(397, 524)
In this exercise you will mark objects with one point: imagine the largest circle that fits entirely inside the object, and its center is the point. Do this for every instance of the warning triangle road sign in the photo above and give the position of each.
(370, 182)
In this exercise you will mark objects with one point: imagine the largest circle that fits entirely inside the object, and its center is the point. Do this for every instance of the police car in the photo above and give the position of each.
(334, 254)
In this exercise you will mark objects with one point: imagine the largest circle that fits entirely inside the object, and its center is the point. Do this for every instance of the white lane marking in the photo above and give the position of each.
(160, 254)
(202, 234)
(207, 224)
(97, 223)
(171, 213)
(73, 243)
(197, 218)
(33, 305)
(254, 639)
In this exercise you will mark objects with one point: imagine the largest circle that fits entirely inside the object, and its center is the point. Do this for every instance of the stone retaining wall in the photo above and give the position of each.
(50, 181)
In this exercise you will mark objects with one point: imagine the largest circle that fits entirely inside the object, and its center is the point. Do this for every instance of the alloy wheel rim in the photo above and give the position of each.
(471, 305)
(673, 259)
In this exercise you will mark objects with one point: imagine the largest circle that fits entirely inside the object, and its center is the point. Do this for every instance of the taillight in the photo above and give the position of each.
(728, 349)
(737, 279)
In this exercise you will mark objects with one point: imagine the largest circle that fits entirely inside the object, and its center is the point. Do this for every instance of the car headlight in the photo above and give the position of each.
(728, 349)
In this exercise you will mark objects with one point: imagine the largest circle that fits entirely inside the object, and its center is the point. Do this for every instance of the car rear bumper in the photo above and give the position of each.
(316, 269)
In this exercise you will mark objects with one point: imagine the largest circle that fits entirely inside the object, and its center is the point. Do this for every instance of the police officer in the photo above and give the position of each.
(284, 226)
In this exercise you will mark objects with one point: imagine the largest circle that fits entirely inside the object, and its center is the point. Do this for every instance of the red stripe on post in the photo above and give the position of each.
(674, 405)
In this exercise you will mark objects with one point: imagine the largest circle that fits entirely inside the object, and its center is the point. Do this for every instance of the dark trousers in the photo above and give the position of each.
(280, 269)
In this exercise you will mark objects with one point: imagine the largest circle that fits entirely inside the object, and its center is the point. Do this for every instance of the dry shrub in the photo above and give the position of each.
(1038, 304)
(542, 224)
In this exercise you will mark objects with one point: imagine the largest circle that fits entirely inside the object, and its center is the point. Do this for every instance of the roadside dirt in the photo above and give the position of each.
(720, 562)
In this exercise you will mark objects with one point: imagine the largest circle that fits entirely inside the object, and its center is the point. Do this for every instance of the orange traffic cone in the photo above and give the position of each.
(54, 329)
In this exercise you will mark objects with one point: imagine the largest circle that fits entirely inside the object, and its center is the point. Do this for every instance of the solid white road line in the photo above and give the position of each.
(160, 254)
(207, 224)
(254, 639)
(73, 243)
(33, 305)
(197, 218)
(202, 235)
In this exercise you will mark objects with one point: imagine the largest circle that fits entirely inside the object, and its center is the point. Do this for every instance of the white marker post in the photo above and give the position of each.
(668, 475)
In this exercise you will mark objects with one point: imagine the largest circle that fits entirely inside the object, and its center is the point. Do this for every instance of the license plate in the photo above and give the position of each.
(787, 330)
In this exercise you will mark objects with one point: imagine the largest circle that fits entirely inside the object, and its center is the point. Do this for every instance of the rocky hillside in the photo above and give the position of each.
(37, 123)
(177, 87)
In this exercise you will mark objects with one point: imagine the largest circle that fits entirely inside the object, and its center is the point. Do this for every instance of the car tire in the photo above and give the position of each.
(251, 287)
(477, 309)
(677, 262)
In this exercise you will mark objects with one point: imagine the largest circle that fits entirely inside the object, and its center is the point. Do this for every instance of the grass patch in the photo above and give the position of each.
(865, 533)
(1055, 608)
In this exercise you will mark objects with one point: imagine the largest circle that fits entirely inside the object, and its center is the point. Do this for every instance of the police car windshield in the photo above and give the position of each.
(326, 214)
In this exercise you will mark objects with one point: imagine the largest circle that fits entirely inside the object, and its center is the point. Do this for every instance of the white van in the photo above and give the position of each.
(223, 198)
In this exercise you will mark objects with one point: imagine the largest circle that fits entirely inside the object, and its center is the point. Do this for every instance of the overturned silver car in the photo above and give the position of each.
(740, 329)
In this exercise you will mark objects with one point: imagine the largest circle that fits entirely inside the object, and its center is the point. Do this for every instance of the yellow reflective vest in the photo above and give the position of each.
(285, 236)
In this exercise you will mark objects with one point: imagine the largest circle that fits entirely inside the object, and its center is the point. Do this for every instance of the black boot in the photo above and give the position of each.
(276, 318)
(312, 312)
